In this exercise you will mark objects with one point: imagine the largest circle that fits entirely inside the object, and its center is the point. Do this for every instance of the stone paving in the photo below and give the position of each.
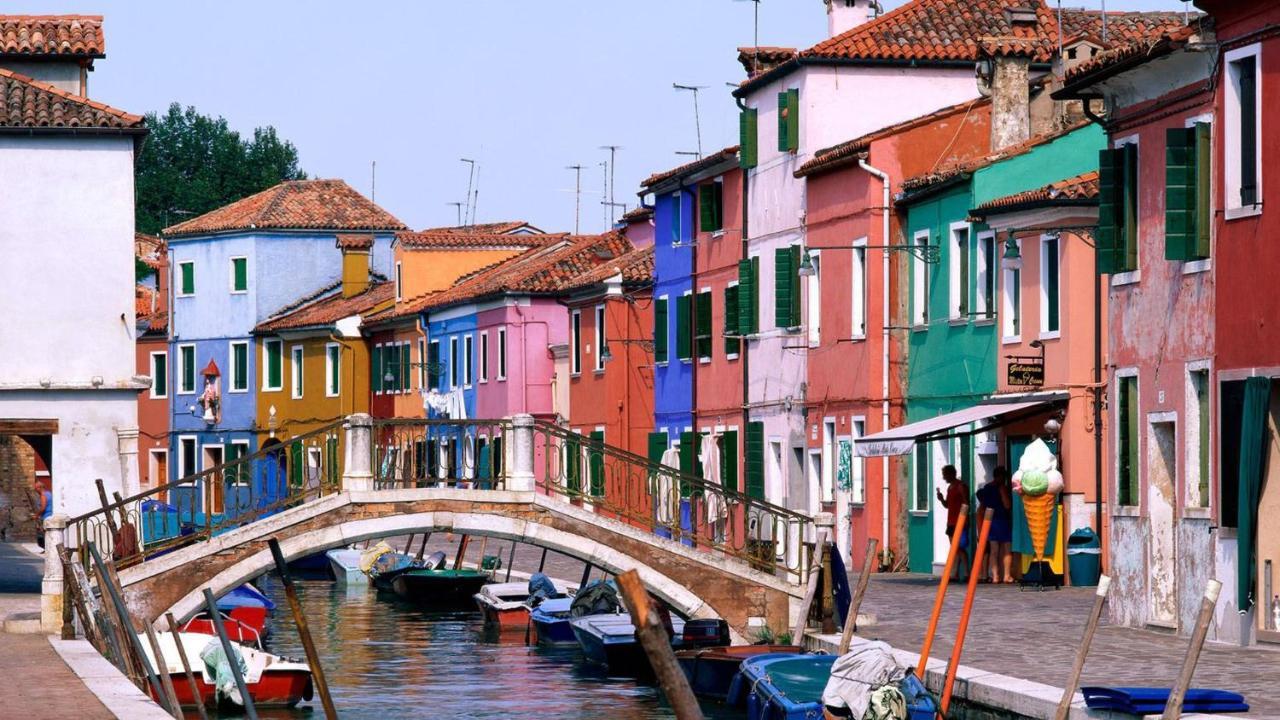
(1034, 635)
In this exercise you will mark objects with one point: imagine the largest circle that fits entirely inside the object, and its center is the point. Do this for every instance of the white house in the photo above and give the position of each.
(67, 366)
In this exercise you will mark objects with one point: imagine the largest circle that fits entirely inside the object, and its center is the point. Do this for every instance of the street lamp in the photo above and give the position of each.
(806, 265)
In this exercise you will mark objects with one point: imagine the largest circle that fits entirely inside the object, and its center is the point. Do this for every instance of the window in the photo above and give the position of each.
(661, 331)
(186, 369)
(676, 219)
(753, 460)
(702, 325)
(575, 342)
(601, 347)
(789, 121)
(186, 279)
(332, 369)
(376, 362)
(238, 474)
(272, 360)
(732, 343)
(239, 274)
(1187, 204)
(711, 207)
(786, 287)
(958, 280)
(920, 281)
(433, 365)
(748, 139)
(858, 289)
(295, 370)
(1243, 129)
(468, 360)
(399, 282)
(1127, 417)
(484, 356)
(502, 353)
(422, 364)
(1011, 286)
(405, 377)
(186, 457)
(985, 288)
(453, 362)
(1117, 234)
(1050, 294)
(239, 379)
(749, 296)
(920, 488)
(159, 375)
(814, 287)
(858, 471)
(1197, 429)
(684, 332)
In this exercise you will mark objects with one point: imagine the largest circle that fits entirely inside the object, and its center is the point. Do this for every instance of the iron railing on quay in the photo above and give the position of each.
(418, 453)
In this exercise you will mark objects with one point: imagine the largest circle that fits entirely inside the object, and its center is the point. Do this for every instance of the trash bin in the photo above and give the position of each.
(1084, 557)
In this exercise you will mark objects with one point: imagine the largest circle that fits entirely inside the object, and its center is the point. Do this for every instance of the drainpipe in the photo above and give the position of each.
(1097, 403)
(884, 354)
(743, 356)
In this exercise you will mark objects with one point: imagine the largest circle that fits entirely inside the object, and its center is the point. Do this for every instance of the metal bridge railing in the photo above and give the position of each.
(415, 453)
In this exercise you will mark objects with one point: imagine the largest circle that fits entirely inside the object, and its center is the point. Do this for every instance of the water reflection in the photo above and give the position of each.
(387, 659)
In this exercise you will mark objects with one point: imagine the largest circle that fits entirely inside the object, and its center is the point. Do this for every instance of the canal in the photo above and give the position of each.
(386, 659)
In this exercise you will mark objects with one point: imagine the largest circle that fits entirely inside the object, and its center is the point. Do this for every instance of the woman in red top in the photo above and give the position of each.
(957, 495)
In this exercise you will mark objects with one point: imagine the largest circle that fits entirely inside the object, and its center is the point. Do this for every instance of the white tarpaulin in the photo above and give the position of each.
(710, 458)
(900, 440)
(664, 493)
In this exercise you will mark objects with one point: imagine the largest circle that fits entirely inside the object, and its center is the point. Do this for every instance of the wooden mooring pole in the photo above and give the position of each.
(232, 656)
(1077, 668)
(162, 669)
(1173, 708)
(126, 625)
(304, 631)
(820, 548)
(954, 666)
(653, 636)
(956, 537)
(186, 666)
(846, 637)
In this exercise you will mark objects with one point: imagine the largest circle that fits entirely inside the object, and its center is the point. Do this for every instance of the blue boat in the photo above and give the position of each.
(610, 640)
(782, 686)
(245, 595)
(551, 622)
(1151, 701)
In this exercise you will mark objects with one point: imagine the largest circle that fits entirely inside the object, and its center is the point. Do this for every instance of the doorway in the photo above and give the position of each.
(1162, 475)
(213, 459)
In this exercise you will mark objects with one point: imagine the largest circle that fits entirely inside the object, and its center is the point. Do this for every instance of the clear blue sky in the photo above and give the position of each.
(525, 88)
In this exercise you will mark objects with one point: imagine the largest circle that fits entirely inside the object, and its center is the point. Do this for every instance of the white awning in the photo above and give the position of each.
(900, 440)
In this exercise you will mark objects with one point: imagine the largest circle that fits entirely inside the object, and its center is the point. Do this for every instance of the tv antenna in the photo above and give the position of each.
(457, 206)
(613, 151)
(604, 191)
(373, 181)
(471, 176)
(755, 59)
(697, 121)
(577, 196)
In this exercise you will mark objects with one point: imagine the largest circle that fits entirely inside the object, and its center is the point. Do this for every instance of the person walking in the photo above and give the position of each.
(998, 495)
(957, 495)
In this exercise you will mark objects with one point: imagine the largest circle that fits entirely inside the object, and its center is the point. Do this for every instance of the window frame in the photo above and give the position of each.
(703, 337)
(453, 362)
(985, 276)
(231, 281)
(484, 356)
(575, 343)
(919, 282)
(151, 365)
(1203, 264)
(1011, 299)
(599, 315)
(1119, 379)
(468, 361)
(1234, 208)
(399, 282)
(1129, 277)
(858, 471)
(921, 480)
(332, 370)
(183, 456)
(185, 364)
(232, 375)
(665, 330)
(958, 271)
(732, 312)
(266, 365)
(813, 298)
(297, 358)
(858, 290)
(185, 268)
(502, 354)
(1201, 478)
(1047, 239)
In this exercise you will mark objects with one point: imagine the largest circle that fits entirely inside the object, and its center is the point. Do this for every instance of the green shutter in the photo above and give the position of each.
(657, 446)
(375, 375)
(684, 344)
(241, 369)
(729, 459)
(754, 464)
(1248, 131)
(732, 345)
(297, 477)
(784, 287)
(433, 365)
(160, 382)
(275, 361)
(595, 463)
(690, 464)
(240, 268)
(1179, 194)
(748, 133)
(1129, 237)
(707, 207)
(1107, 237)
(661, 332)
(717, 198)
(188, 271)
(1203, 178)
(793, 120)
(573, 463)
(747, 293)
(1052, 291)
(783, 116)
(1200, 379)
(702, 323)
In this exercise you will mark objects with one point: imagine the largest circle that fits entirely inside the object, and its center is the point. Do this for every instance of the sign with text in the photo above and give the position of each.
(1026, 374)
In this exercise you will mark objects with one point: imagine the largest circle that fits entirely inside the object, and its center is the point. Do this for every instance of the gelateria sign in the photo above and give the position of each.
(1025, 373)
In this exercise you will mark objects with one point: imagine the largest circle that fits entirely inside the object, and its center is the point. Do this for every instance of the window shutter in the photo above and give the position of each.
(684, 349)
(573, 463)
(274, 367)
(729, 459)
(1129, 238)
(376, 376)
(657, 446)
(754, 457)
(783, 287)
(746, 296)
(796, 295)
(1108, 234)
(661, 331)
(707, 208)
(702, 323)
(689, 463)
(1203, 175)
(783, 116)
(406, 375)
(718, 200)
(1179, 194)
(161, 381)
(240, 266)
(188, 278)
(748, 134)
(1248, 131)
(433, 365)
(595, 463)
(793, 120)
(732, 345)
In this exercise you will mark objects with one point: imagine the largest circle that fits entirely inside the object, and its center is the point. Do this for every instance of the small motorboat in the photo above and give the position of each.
(507, 605)
(610, 641)
(244, 615)
(1151, 701)
(315, 565)
(440, 588)
(383, 565)
(272, 681)
(551, 622)
(345, 564)
(781, 686)
(711, 669)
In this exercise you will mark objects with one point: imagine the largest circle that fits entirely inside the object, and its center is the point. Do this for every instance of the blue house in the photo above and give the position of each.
(673, 206)
(233, 268)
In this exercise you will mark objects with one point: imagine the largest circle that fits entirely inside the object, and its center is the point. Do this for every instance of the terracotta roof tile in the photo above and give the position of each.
(757, 60)
(29, 103)
(1078, 190)
(149, 249)
(638, 214)
(954, 170)
(1157, 41)
(42, 35)
(434, 239)
(505, 227)
(294, 205)
(690, 168)
(329, 308)
(354, 241)
(635, 267)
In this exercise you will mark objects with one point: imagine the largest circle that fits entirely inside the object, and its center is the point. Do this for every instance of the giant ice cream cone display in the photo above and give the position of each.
(1038, 482)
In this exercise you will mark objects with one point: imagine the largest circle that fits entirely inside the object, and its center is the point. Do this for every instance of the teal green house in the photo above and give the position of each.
(954, 324)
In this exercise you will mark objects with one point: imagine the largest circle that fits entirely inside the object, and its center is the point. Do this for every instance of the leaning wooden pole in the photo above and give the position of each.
(462, 552)
(1077, 669)
(820, 548)
(954, 666)
(126, 626)
(186, 666)
(957, 536)
(653, 636)
(304, 630)
(162, 669)
(851, 619)
(1173, 708)
(233, 658)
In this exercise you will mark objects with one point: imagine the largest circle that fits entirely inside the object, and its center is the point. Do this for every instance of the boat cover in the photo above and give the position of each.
(857, 673)
(1151, 701)
(596, 598)
(541, 588)
(217, 666)
(245, 595)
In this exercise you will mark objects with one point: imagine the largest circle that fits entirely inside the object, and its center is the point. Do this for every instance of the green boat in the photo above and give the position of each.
(444, 589)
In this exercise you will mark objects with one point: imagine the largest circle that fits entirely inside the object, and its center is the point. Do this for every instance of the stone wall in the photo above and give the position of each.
(17, 476)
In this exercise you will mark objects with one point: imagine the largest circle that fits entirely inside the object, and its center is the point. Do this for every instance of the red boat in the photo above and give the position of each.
(272, 681)
(243, 624)
(506, 604)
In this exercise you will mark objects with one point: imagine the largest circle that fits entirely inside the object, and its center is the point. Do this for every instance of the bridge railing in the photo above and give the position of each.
(416, 453)
(235, 493)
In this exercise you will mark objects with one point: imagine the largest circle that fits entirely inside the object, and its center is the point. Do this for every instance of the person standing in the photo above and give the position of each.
(998, 495)
(957, 496)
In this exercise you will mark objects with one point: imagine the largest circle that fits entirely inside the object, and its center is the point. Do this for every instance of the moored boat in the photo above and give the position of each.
(272, 681)
(781, 686)
(610, 640)
(345, 564)
(711, 669)
(244, 615)
(551, 622)
(440, 588)
(507, 605)
(383, 565)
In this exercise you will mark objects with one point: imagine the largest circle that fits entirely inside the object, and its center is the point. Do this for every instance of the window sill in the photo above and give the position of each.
(332, 395)
(239, 292)
(917, 327)
(1236, 213)
(1051, 335)
(957, 322)
(241, 391)
(1197, 513)
(1010, 339)
(686, 361)
(718, 233)
(662, 363)
(1132, 511)
(704, 361)
(277, 389)
(483, 381)
(918, 513)
(598, 373)
(295, 397)
(180, 296)
(1197, 266)
(731, 356)
(984, 322)
(502, 379)
(858, 338)
(1131, 277)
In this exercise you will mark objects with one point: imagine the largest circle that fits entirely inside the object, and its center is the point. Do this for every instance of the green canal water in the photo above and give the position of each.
(387, 660)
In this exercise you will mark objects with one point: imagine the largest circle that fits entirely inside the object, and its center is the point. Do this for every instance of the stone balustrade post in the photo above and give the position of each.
(520, 478)
(52, 587)
(357, 474)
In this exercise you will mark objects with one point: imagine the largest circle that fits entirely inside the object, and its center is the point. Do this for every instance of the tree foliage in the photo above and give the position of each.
(193, 163)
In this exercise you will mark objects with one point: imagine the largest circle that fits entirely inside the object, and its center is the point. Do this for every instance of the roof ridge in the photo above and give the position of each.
(46, 87)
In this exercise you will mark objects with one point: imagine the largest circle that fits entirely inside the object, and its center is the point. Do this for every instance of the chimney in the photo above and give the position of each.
(845, 15)
(1008, 85)
(355, 263)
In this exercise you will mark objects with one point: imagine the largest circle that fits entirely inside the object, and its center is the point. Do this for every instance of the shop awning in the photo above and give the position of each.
(900, 440)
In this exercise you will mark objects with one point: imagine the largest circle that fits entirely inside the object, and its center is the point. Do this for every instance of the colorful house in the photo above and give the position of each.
(855, 359)
(232, 269)
(152, 313)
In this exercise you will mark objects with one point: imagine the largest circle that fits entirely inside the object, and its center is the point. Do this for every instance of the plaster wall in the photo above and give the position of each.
(532, 326)
(153, 413)
(673, 379)
(620, 397)
(62, 75)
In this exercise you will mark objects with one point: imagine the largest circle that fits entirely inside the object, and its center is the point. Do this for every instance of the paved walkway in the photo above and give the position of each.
(1034, 635)
(20, 573)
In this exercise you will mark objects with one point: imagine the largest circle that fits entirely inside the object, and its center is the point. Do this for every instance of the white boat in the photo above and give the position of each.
(346, 565)
(507, 604)
(272, 681)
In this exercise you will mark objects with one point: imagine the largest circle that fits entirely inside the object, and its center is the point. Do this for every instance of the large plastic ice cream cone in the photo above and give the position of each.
(1039, 509)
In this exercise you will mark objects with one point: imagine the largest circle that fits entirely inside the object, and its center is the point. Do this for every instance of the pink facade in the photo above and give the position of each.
(530, 326)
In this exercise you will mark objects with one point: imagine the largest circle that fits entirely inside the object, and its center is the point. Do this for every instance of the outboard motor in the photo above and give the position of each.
(706, 633)
(434, 561)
